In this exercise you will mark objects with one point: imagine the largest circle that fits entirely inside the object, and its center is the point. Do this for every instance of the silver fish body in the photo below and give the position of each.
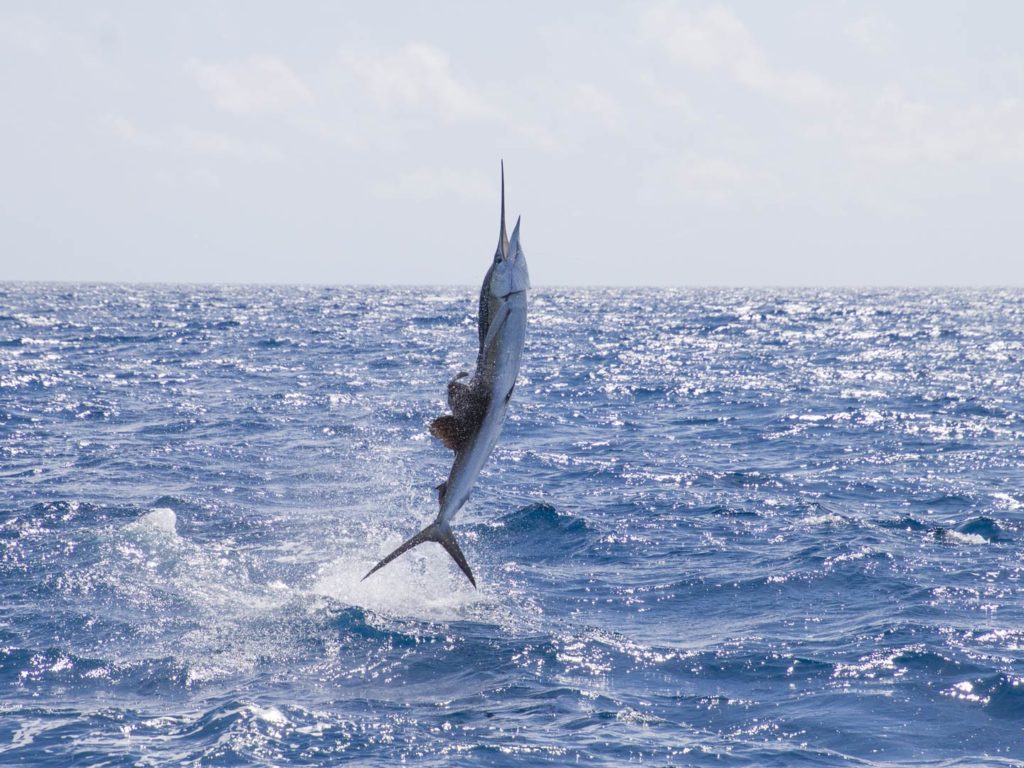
(497, 370)
(479, 407)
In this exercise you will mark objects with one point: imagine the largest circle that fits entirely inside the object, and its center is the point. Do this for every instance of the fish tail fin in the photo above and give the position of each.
(436, 531)
(451, 546)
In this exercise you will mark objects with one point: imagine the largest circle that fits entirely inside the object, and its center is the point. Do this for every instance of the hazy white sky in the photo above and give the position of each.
(679, 143)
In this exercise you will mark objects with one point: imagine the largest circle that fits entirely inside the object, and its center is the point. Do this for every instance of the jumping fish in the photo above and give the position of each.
(478, 405)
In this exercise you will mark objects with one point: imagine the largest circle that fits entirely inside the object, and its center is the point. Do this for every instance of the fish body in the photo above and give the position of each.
(479, 405)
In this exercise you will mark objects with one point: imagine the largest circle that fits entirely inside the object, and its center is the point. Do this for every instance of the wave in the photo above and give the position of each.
(978, 530)
(538, 533)
(905, 523)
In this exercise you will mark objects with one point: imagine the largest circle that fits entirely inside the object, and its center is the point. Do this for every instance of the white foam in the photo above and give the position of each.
(419, 585)
(1007, 501)
(966, 538)
(424, 585)
(236, 620)
(830, 518)
(268, 714)
(159, 519)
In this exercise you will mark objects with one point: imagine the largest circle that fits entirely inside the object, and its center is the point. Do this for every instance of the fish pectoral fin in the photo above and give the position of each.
(436, 531)
(446, 429)
(494, 327)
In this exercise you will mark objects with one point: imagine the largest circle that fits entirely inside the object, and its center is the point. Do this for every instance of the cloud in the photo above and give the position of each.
(872, 33)
(258, 84)
(418, 78)
(590, 99)
(184, 138)
(717, 180)
(28, 32)
(668, 98)
(221, 145)
(896, 129)
(431, 183)
(875, 134)
(715, 40)
(126, 130)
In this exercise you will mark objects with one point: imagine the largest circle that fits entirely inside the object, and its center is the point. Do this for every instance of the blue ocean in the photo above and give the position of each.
(721, 528)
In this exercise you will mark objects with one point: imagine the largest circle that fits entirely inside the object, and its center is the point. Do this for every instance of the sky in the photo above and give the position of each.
(645, 143)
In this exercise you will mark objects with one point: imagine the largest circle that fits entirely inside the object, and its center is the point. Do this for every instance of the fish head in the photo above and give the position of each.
(509, 273)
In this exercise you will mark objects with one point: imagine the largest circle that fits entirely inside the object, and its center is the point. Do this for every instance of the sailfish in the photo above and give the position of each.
(478, 403)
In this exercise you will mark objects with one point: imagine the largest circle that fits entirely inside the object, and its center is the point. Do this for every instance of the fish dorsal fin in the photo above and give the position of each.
(446, 429)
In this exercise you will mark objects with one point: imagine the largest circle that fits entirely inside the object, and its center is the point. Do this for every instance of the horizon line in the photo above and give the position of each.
(554, 286)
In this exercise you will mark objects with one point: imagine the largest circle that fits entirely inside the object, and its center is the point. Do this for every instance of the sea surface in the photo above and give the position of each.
(721, 528)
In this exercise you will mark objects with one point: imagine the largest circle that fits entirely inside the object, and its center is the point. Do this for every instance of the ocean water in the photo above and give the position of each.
(722, 528)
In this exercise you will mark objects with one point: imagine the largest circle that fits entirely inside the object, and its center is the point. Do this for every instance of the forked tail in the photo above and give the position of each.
(436, 531)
